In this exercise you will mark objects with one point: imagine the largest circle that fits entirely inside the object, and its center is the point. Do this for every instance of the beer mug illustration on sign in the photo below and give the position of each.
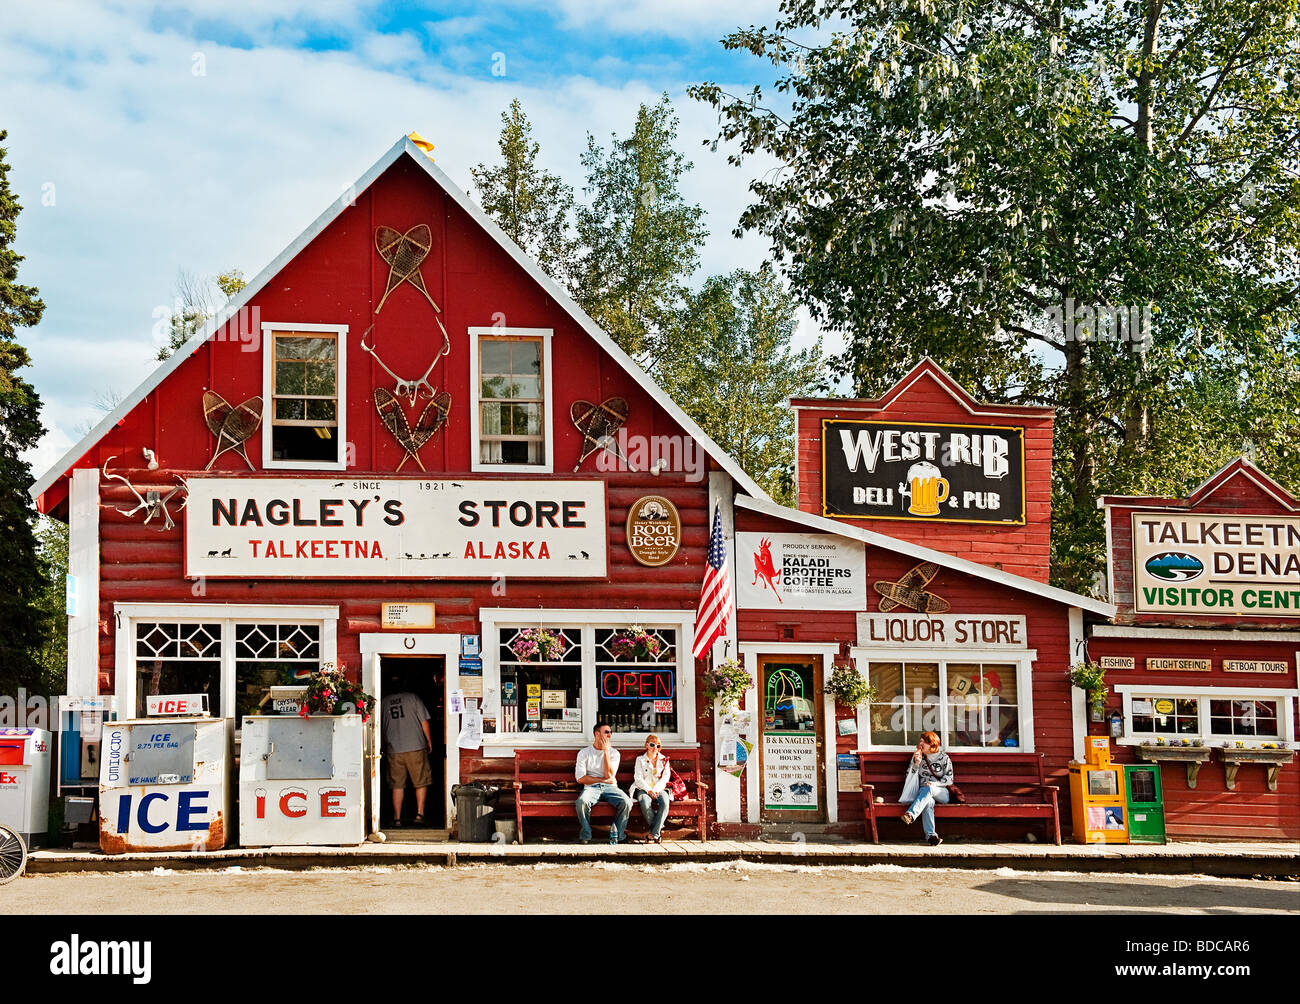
(927, 490)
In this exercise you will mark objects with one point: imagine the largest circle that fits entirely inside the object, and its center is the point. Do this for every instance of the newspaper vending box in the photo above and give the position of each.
(25, 783)
(164, 780)
(300, 780)
(1097, 797)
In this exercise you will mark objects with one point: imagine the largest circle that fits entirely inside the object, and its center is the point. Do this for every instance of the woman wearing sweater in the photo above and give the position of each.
(933, 772)
(650, 786)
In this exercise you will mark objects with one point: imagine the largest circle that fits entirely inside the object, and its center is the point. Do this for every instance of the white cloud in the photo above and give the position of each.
(155, 166)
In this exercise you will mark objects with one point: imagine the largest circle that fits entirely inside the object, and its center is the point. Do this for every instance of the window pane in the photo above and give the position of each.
(491, 424)
(293, 408)
(526, 357)
(290, 378)
(527, 387)
(636, 677)
(494, 356)
(321, 411)
(320, 378)
(178, 676)
(304, 347)
(528, 419)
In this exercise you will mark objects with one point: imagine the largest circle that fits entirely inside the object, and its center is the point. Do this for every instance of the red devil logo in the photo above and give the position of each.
(764, 569)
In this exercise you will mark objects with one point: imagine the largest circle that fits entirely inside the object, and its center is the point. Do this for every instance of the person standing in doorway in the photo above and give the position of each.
(407, 745)
(596, 768)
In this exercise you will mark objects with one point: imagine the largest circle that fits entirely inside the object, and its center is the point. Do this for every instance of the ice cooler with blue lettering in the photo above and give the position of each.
(164, 781)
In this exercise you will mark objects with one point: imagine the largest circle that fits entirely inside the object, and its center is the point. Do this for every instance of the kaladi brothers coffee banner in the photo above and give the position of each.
(433, 528)
(1213, 565)
(800, 571)
(923, 471)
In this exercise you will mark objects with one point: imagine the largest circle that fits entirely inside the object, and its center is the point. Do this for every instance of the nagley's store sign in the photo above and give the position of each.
(291, 527)
(1216, 565)
(917, 470)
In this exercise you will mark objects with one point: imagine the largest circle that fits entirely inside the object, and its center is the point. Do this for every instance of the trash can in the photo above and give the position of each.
(475, 811)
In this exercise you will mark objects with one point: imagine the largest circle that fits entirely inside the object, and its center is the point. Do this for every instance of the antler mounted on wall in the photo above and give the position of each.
(153, 502)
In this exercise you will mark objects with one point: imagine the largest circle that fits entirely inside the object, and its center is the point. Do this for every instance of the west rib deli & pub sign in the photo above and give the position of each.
(1216, 564)
(923, 471)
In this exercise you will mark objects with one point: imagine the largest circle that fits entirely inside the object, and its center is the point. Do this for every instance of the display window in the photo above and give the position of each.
(971, 705)
(1210, 714)
(548, 683)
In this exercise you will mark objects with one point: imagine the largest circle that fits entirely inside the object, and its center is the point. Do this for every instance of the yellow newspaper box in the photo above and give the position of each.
(1097, 799)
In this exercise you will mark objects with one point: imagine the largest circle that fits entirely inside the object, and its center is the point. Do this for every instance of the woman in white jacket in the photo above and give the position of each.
(650, 786)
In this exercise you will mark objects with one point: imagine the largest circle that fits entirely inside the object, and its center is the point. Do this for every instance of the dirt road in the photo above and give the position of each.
(720, 888)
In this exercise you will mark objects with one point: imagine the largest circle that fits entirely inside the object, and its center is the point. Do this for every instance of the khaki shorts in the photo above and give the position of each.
(414, 765)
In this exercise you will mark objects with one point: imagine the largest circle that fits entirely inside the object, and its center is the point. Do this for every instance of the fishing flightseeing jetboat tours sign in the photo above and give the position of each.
(1222, 564)
(360, 528)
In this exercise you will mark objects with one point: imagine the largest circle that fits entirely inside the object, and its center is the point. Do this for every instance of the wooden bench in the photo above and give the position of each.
(545, 787)
(996, 785)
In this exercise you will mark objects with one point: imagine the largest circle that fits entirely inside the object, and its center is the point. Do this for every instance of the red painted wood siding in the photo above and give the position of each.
(1024, 550)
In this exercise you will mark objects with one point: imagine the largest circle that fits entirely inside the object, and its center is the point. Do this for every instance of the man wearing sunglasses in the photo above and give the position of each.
(596, 768)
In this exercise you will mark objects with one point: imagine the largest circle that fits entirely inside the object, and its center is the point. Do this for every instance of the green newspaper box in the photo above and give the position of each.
(1146, 803)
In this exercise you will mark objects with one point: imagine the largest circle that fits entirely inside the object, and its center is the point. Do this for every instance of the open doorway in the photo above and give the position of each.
(425, 677)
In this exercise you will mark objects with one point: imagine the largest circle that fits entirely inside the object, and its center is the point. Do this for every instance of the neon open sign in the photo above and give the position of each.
(637, 684)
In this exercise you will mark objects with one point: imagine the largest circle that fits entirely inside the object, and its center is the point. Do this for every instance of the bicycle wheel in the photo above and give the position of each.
(13, 855)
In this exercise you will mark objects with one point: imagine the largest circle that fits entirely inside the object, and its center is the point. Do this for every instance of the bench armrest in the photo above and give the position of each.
(519, 785)
(702, 785)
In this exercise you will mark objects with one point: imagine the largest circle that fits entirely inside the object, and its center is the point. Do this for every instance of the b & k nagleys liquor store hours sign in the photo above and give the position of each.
(433, 528)
(1216, 565)
(923, 471)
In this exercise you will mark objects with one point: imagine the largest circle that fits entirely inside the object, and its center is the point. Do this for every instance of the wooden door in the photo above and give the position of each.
(791, 740)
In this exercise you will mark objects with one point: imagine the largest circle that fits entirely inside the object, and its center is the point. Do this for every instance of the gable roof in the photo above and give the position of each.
(403, 147)
(1239, 468)
(972, 568)
(927, 368)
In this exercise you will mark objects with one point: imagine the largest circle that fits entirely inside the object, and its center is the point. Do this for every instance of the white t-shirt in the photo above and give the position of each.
(401, 715)
(591, 761)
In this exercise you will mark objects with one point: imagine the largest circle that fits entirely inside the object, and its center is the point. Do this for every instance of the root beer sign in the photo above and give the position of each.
(360, 528)
(923, 471)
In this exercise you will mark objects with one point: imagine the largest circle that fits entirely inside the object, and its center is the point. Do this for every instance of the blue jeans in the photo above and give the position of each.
(659, 803)
(923, 807)
(612, 794)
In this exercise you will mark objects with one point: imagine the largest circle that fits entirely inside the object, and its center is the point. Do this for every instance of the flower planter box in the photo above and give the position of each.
(1191, 756)
(1273, 761)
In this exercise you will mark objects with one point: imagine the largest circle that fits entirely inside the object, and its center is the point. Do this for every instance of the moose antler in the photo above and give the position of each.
(153, 502)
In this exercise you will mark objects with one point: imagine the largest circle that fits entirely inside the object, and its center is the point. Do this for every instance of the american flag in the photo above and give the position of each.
(715, 595)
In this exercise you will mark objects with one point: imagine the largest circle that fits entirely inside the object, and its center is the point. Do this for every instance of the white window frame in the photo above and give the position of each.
(269, 330)
(1284, 697)
(127, 615)
(492, 620)
(1022, 659)
(548, 417)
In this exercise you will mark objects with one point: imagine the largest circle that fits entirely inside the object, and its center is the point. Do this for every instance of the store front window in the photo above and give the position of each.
(178, 658)
(1212, 714)
(637, 679)
(981, 707)
(541, 680)
(271, 655)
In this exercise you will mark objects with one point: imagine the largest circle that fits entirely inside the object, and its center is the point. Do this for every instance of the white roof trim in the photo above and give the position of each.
(1190, 634)
(402, 146)
(769, 508)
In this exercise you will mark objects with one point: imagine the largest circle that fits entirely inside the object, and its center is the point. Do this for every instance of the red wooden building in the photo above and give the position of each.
(1204, 647)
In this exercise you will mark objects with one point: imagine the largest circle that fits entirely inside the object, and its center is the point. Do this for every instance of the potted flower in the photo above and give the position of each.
(1091, 679)
(538, 644)
(635, 643)
(725, 683)
(330, 692)
(849, 688)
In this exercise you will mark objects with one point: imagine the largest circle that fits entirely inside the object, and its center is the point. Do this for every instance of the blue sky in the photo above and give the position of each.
(148, 137)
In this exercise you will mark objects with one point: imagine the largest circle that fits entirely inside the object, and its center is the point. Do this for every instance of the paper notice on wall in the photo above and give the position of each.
(743, 722)
(471, 731)
(472, 686)
(726, 746)
(456, 703)
(491, 701)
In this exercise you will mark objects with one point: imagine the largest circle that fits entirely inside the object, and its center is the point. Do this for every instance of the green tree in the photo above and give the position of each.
(23, 627)
(956, 178)
(530, 204)
(52, 656)
(196, 303)
(639, 237)
(730, 364)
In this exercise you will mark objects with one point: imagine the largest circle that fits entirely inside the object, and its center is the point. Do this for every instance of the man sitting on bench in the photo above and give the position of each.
(597, 764)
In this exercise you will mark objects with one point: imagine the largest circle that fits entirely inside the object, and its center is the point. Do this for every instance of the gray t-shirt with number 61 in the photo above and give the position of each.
(402, 715)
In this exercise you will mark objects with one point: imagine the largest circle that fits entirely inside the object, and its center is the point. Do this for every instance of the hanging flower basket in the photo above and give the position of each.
(1091, 679)
(329, 692)
(635, 643)
(538, 644)
(725, 683)
(849, 688)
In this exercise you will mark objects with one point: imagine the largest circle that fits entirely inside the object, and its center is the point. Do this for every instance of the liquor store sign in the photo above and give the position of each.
(425, 528)
(1216, 565)
(923, 471)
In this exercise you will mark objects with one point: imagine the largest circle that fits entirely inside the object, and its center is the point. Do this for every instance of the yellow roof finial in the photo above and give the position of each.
(421, 142)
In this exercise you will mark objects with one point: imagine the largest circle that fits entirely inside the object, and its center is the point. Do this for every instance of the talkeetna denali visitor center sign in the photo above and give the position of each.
(923, 471)
(1216, 564)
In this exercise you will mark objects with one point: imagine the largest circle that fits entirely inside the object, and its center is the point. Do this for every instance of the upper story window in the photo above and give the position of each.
(304, 383)
(511, 411)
